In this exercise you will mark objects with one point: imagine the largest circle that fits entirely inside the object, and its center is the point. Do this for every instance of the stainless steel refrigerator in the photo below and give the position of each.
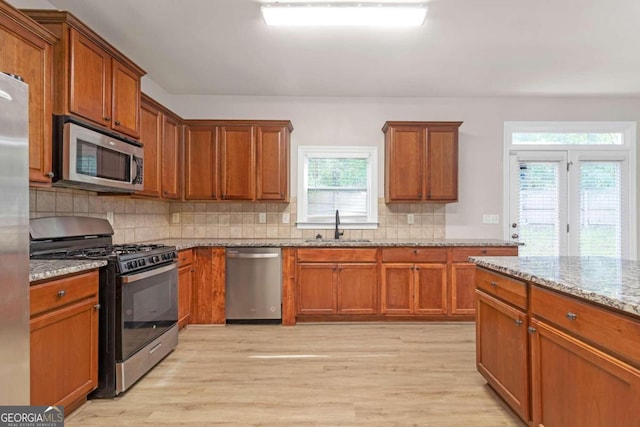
(14, 241)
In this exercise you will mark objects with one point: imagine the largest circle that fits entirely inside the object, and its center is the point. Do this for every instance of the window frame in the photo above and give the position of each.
(626, 150)
(370, 153)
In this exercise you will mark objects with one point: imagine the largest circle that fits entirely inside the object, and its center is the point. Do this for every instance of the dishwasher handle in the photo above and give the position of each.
(252, 255)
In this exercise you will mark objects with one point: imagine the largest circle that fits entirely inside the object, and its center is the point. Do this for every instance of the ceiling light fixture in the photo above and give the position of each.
(345, 14)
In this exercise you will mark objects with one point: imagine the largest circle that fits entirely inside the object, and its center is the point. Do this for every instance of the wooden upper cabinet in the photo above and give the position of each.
(201, 163)
(272, 163)
(171, 136)
(151, 138)
(237, 160)
(421, 161)
(27, 51)
(92, 79)
(237, 163)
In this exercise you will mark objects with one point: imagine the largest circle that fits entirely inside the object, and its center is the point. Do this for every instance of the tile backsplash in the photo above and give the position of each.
(137, 220)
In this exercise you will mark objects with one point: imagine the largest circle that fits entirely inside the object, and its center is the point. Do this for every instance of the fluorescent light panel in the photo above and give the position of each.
(345, 14)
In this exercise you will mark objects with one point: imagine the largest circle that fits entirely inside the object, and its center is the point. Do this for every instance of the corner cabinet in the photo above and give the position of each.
(237, 160)
(27, 51)
(161, 134)
(92, 79)
(421, 161)
(64, 340)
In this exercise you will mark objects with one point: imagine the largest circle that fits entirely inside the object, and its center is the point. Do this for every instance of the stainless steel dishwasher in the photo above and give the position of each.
(254, 284)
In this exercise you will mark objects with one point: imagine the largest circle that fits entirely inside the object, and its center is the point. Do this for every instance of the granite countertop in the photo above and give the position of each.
(608, 281)
(355, 243)
(48, 269)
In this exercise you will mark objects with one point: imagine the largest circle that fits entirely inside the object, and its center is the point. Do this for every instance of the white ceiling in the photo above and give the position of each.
(465, 48)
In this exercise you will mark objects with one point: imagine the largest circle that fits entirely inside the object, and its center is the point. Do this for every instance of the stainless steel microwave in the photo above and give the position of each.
(91, 158)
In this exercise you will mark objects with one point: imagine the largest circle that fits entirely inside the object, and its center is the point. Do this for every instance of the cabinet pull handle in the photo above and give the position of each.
(106, 118)
(50, 174)
(572, 316)
(61, 293)
(518, 322)
(494, 284)
(117, 122)
(531, 329)
(97, 307)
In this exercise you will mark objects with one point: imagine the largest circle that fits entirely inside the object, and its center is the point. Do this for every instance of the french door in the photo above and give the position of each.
(569, 203)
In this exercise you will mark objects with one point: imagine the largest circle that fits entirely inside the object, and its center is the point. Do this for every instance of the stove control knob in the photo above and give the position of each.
(141, 263)
(154, 259)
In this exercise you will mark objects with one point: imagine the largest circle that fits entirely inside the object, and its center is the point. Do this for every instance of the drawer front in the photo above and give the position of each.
(337, 255)
(185, 257)
(463, 254)
(612, 331)
(414, 255)
(510, 290)
(57, 293)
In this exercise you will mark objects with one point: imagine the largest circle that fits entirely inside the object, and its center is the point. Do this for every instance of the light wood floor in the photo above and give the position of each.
(374, 374)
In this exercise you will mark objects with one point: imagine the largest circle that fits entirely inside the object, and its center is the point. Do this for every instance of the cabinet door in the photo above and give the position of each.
(316, 289)
(30, 57)
(430, 285)
(463, 288)
(501, 352)
(90, 95)
(185, 283)
(397, 288)
(442, 165)
(150, 136)
(357, 288)
(170, 158)
(578, 385)
(201, 164)
(64, 354)
(272, 162)
(405, 161)
(237, 162)
(126, 100)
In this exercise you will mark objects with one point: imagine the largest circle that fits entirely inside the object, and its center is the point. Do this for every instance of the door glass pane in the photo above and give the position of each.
(539, 208)
(600, 209)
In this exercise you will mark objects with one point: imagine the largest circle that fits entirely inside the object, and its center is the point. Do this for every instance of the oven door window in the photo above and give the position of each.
(101, 162)
(149, 307)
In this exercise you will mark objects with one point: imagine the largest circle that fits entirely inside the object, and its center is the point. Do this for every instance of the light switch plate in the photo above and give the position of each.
(491, 219)
(411, 219)
(262, 218)
(175, 218)
(286, 218)
(110, 218)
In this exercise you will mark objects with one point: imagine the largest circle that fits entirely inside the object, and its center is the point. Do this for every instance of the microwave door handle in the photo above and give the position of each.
(136, 169)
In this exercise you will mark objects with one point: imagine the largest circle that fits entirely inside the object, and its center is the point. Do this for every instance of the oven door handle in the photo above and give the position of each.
(150, 273)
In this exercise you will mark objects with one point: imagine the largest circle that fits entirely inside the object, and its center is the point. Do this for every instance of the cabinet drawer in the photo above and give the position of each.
(337, 255)
(185, 257)
(510, 290)
(56, 293)
(414, 255)
(610, 330)
(463, 254)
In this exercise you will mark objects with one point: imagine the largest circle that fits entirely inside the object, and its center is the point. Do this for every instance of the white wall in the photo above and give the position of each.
(358, 121)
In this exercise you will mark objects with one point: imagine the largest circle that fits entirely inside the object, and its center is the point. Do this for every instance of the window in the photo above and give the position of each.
(338, 178)
(571, 188)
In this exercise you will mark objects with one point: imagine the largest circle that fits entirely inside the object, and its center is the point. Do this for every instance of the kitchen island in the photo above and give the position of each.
(557, 337)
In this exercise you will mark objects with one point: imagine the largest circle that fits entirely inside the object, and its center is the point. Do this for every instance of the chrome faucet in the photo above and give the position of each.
(338, 232)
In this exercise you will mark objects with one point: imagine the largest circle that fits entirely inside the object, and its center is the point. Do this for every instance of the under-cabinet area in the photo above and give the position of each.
(556, 354)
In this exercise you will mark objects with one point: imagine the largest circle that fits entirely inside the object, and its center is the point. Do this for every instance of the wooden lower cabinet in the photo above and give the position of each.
(414, 288)
(330, 288)
(502, 351)
(185, 285)
(208, 292)
(575, 384)
(463, 288)
(64, 340)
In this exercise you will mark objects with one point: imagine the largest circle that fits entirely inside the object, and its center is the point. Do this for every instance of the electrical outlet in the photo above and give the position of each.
(175, 218)
(491, 218)
(110, 218)
(286, 218)
(411, 219)
(262, 218)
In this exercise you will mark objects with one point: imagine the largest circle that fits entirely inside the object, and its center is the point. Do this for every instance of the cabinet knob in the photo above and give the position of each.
(518, 322)
(572, 316)
(106, 118)
(415, 251)
(428, 195)
(494, 284)
(224, 195)
(61, 293)
(50, 174)
(484, 251)
(97, 307)
(117, 122)
(531, 329)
